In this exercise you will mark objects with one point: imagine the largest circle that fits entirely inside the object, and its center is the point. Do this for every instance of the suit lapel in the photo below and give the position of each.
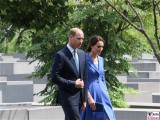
(71, 60)
(90, 62)
(81, 62)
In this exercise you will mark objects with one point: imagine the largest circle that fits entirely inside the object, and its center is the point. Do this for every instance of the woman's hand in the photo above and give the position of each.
(91, 102)
(83, 105)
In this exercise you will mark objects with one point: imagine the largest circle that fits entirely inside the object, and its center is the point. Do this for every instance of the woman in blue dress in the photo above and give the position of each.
(97, 89)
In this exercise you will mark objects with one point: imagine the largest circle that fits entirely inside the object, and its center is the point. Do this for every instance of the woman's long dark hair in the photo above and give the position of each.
(93, 41)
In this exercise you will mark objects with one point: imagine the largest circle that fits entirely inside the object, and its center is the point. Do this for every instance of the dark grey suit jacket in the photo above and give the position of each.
(64, 74)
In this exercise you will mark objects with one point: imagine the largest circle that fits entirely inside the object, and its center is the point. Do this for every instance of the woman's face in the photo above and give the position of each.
(97, 48)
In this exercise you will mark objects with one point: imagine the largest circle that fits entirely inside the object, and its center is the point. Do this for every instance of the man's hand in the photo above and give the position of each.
(79, 83)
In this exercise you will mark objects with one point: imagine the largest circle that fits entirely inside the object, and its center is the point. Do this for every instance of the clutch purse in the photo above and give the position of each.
(99, 107)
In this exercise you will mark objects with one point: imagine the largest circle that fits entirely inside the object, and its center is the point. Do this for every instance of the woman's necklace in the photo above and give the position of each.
(94, 59)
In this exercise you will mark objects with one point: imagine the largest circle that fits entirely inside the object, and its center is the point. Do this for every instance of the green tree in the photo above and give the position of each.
(35, 14)
(36, 22)
(47, 23)
(153, 6)
(24, 19)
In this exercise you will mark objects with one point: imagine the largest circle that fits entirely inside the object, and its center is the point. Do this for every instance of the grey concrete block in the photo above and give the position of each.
(6, 68)
(36, 89)
(156, 97)
(40, 81)
(128, 57)
(31, 113)
(1, 97)
(146, 66)
(15, 69)
(140, 74)
(127, 114)
(46, 113)
(145, 86)
(18, 56)
(142, 96)
(122, 78)
(56, 113)
(11, 68)
(145, 74)
(2, 85)
(144, 105)
(133, 113)
(24, 77)
(9, 58)
(23, 68)
(142, 56)
(14, 111)
(155, 74)
(143, 80)
(16, 91)
(13, 114)
(146, 60)
(146, 56)
(21, 56)
(17, 77)
(3, 78)
(14, 105)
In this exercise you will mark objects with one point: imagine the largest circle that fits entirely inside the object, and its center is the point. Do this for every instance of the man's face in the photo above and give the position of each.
(77, 40)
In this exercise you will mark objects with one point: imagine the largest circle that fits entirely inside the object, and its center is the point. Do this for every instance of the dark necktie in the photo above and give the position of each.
(75, 56)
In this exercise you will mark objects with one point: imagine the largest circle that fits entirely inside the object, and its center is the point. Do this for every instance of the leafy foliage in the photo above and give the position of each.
(139, 21)
(25, 19)
(33, 13)
(117, 43)
(44, 26)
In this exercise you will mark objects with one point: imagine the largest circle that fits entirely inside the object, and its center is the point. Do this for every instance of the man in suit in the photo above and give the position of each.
(70, 74)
